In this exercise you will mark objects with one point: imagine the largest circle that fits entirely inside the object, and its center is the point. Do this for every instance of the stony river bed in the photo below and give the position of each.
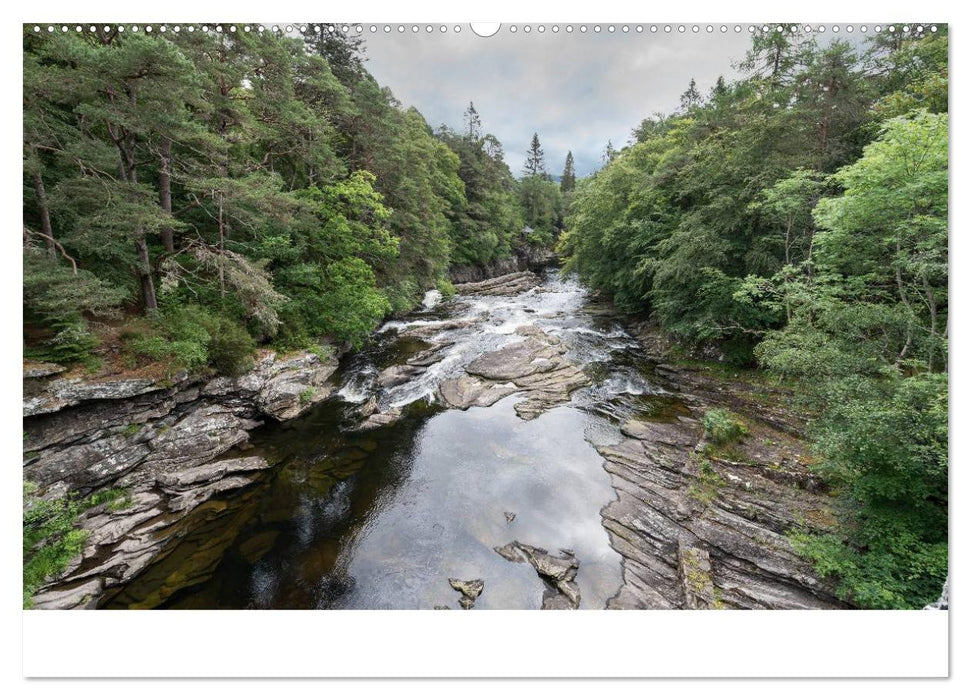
(514, 447)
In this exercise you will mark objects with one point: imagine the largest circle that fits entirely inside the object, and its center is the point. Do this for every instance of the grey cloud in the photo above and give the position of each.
(575, 90)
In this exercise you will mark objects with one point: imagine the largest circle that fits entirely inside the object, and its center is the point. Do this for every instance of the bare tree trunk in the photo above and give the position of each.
(145, 276)
(165, 191)
(45, 213)
(222, 250)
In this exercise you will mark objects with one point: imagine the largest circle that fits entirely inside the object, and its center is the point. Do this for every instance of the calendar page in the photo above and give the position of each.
(467, 317)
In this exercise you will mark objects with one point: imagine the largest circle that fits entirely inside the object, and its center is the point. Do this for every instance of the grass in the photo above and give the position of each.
(51, 538)
(325, 352)
(704, 489)
(306, 395)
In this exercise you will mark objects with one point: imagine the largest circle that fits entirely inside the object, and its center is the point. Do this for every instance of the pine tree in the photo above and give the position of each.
(535, 162)
(473, 124)
(609, 153)
(569, 179)
(691, 97)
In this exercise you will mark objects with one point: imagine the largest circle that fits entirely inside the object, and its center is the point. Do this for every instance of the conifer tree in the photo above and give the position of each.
(535, 161)
(569, 179)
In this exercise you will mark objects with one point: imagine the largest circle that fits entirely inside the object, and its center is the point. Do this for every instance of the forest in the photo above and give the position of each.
(797, 219)
(192, 196)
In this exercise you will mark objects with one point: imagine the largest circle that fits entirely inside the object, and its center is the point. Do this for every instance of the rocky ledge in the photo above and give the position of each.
(704, 528)
(534, 366)
(506, 285)
(160, 442)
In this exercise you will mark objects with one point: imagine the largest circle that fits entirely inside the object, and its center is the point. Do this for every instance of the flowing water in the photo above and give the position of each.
(383, 518)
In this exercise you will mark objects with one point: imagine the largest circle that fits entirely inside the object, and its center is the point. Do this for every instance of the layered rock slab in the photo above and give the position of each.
(697, 531)
(535, 367)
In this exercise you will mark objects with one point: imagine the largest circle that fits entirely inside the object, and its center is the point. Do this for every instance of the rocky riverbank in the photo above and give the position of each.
(160, 442)
(706, 527)
(691, 525)
(524, 259)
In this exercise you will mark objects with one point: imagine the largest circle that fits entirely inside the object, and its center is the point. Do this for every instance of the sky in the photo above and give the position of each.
(576, 90)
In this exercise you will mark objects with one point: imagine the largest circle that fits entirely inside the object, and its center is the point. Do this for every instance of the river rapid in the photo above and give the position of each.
(383, 518)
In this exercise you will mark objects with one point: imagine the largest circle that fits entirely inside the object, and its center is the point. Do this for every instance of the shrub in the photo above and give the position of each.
(446, 287)
(193, 337)
(51, 538)
(883, 443)
(230, 347)
(723, 427)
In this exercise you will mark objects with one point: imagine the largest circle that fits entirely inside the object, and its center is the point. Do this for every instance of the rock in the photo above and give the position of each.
(83, 595)
(675, 434)
(429, 356)
(188, 478)
(379, 420)
(465, 391)
(396, 374)
(196, 439)
(694, 570)
(534, 366)
(460, 274)
(87, 466)
(557, 572)
(161, 443)
(470, 590)
(698, 532)
(62, 393)
(293, 385)
(428, 330)
(506, 285)
(36, 370)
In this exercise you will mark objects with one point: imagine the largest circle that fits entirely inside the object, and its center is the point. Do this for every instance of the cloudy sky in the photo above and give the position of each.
(575, 90)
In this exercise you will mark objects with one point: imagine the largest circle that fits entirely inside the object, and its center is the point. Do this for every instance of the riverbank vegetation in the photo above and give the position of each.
(797, 218)
(189, 195)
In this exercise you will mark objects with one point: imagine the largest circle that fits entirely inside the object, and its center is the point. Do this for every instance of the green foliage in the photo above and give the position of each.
(541, 202)
(193, 338)
(883, 442)
(51, 538)
(485, 223)
(57, 299)
(798, 217)
(723, 427)
(280, 184)
(446, 287)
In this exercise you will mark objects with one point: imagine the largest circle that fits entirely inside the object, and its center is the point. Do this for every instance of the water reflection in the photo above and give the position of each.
(383, 519)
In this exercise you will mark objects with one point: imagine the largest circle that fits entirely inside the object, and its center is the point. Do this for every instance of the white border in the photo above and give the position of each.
(458, 643)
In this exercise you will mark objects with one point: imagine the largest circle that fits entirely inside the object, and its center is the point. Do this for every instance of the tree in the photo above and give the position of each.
(535, 162)
(473, 124)
(690, 98)
(609, 153)
(569, 179)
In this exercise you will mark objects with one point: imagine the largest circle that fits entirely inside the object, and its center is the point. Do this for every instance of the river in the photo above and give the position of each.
(383, 518)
